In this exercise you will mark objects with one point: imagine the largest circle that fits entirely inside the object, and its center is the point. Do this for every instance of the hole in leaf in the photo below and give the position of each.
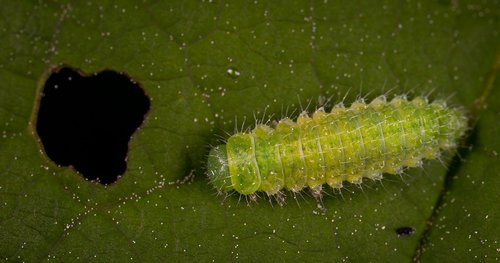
(405, 231)
(86, 121)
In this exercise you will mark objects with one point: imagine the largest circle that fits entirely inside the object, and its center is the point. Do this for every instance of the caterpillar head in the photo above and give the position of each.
(218, 169)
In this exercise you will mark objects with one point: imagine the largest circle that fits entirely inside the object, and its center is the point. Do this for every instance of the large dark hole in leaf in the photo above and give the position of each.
(87, 121)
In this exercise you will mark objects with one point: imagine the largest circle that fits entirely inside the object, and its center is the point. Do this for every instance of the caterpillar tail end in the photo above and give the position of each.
(218, 169)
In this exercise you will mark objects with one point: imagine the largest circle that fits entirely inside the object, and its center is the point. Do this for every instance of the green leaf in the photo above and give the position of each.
(207, 65)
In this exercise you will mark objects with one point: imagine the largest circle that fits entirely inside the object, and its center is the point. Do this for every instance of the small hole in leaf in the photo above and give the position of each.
(405, 231)
(86, 121)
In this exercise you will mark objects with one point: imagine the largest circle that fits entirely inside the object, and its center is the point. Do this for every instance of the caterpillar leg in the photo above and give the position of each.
(317, 193)
(279, 197)
(252, 198)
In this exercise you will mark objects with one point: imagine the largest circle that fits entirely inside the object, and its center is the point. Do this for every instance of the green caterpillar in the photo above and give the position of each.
(347, 144)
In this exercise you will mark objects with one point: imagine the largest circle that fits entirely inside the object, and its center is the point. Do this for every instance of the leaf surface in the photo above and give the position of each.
(208, 65)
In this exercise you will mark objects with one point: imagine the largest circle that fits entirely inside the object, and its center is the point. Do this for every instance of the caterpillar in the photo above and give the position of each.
(345, 144)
